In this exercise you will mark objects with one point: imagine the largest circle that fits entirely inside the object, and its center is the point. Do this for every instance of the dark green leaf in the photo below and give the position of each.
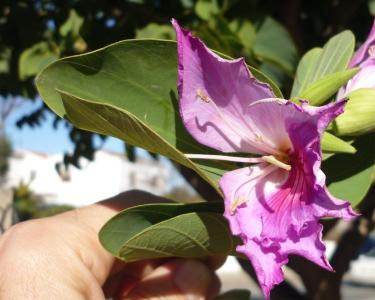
(168, 230)
(273, 43)
(304, 70)
(128, 90)
(35, 58)
(108, 120)
(317, 63)
(349, 176)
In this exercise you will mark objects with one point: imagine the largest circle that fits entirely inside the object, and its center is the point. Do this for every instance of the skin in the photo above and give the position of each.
(60, 257)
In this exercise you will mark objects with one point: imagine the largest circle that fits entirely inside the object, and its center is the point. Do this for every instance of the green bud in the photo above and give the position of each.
(333, 144)
(359, 115)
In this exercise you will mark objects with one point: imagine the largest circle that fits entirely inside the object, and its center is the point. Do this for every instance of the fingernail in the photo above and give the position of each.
(193, 278)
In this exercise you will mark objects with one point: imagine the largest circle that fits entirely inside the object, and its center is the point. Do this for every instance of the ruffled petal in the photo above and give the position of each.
(281, 212)
(278, 121)
(307, 243)
(280, 218)
(363, 52)
(326, 205)
(267, 263)
(305, 138)
(214, 95)
(277, 220)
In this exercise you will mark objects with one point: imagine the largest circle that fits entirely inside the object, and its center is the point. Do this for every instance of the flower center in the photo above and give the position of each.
(274, 162)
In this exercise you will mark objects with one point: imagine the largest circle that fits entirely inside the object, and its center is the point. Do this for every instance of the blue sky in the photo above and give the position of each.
(45, 138)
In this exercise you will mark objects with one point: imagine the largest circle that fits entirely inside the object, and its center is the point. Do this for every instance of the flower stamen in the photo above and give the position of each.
(202, 96)
(277, 162)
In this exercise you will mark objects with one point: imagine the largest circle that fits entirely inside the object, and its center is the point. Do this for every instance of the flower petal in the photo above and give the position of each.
(308, 243)
(365, 78)
(214, 95)
(326, 205)
(278, 219)
(267, 264)
(363, 52)
(281, 212)
(245, 183)
(305, 137)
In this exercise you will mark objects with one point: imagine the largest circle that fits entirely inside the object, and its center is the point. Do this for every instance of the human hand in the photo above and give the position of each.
(60, 257)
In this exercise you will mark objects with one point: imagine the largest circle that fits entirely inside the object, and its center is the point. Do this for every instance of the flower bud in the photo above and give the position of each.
(365, 59)
(359, 115)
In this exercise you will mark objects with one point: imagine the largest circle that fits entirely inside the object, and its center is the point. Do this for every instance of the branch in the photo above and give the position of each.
(202, 187)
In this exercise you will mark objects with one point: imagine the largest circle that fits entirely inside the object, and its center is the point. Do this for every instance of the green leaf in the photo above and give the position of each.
(317, 63)
(207, 9)
(237, 294)
(273, 43)
(273, 71)
(34, 59)
(304, 70)
(156, 31)
(72, 25)
(245, 32)
(359, 115)
(333, 144)
(349, 176)
(109, 120)
(321, 90)
(70, 31)
(371, 7)
(128, 90)
(168, 230)
(219, 36)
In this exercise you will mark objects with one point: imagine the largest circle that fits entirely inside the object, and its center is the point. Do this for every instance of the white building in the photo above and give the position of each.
(107, 175)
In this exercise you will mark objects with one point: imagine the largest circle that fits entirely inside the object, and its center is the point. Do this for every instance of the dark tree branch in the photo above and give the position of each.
(202, 187)
(290, 14)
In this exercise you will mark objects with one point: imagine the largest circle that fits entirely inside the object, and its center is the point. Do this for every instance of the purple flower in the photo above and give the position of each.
(364, 58)
(274, 204)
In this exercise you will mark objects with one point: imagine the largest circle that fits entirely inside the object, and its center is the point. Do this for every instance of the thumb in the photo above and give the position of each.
(184, 279)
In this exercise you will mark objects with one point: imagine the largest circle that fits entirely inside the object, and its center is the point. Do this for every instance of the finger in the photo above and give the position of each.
(215, 262)
(126, 275)
(177, 279)
(93, 217)
(66, 246)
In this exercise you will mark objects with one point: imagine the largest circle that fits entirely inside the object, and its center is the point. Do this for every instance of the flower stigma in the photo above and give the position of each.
(277, 161)
(371, 51)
